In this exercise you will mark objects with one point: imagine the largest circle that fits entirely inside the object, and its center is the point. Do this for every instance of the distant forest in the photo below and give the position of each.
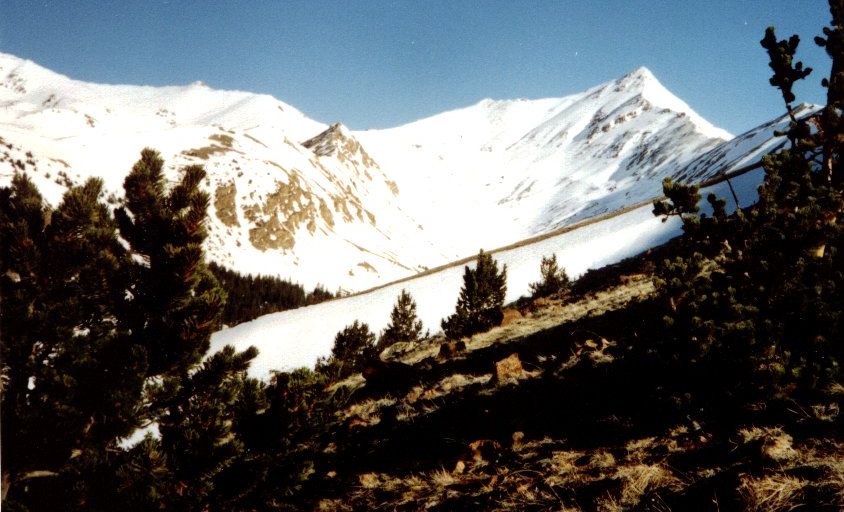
(250, 297)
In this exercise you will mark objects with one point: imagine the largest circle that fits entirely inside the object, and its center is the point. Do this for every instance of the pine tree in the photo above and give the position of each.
(22, 221)
(554, 280)
(404, 324)
(249, 297)
(319, 294)
(98, 339)
(73, 376)
(176, 303)
(176, 300)
(202, 432)
(479, 306)
(682, 200)
(302, 408)
(354, 348)
(757, 298)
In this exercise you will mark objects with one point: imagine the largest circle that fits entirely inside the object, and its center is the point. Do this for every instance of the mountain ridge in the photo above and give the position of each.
(288, 191)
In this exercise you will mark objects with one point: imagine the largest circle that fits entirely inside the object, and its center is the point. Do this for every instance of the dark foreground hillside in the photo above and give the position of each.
(545, 413)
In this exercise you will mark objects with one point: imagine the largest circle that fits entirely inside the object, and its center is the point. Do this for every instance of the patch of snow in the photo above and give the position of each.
(138, 435)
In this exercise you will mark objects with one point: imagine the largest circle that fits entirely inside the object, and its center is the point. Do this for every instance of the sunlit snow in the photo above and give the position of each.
(298, 337)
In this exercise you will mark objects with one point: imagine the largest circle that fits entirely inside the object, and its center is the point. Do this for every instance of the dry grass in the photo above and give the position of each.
(649, 471)
(608, 503)
(637, 449)
(771, 493)
(254, 139)
(774, 444)
(443, 478)
(601, 460)
(678, 439)
(413, 352)
(639, 479)
(827, 458)
(548, 313)
(446, 386)
(225, 204)
(544, 475)
(556, 312)
(836, 482)
(225, 140)
(420, 491)
(366, 413)
(836, 389)
(562, 471)
(352, 382)
(205, 152)
(333, 505)
(414, 483)
(397, 351)
(369, 480)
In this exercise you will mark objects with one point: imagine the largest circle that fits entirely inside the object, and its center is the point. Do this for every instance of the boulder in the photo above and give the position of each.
(509, 369)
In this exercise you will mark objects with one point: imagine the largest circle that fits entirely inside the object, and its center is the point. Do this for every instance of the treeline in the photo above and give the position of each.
(249, 297)
(106, 324)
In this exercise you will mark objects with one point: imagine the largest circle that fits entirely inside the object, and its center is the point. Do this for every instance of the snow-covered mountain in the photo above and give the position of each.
(323, 204)
(290, 196)
(511, 169)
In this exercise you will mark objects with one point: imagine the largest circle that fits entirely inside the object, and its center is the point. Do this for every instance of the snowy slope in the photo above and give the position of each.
(506, 170)
(743, 150)
(323, 204)
(298, 337)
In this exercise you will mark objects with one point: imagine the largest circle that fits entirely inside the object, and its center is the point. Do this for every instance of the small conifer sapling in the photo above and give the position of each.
(404, 324)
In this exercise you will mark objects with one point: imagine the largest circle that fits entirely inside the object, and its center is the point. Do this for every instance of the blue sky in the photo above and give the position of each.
(375, 64)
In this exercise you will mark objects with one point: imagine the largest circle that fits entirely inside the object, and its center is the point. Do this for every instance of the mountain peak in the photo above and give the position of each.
(636, 80)
(642, 72)
(339, 129)
(643, 82)
(325, 141)
(337, 140)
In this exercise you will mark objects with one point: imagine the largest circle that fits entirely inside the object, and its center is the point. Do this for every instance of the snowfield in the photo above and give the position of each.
(298, 337)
